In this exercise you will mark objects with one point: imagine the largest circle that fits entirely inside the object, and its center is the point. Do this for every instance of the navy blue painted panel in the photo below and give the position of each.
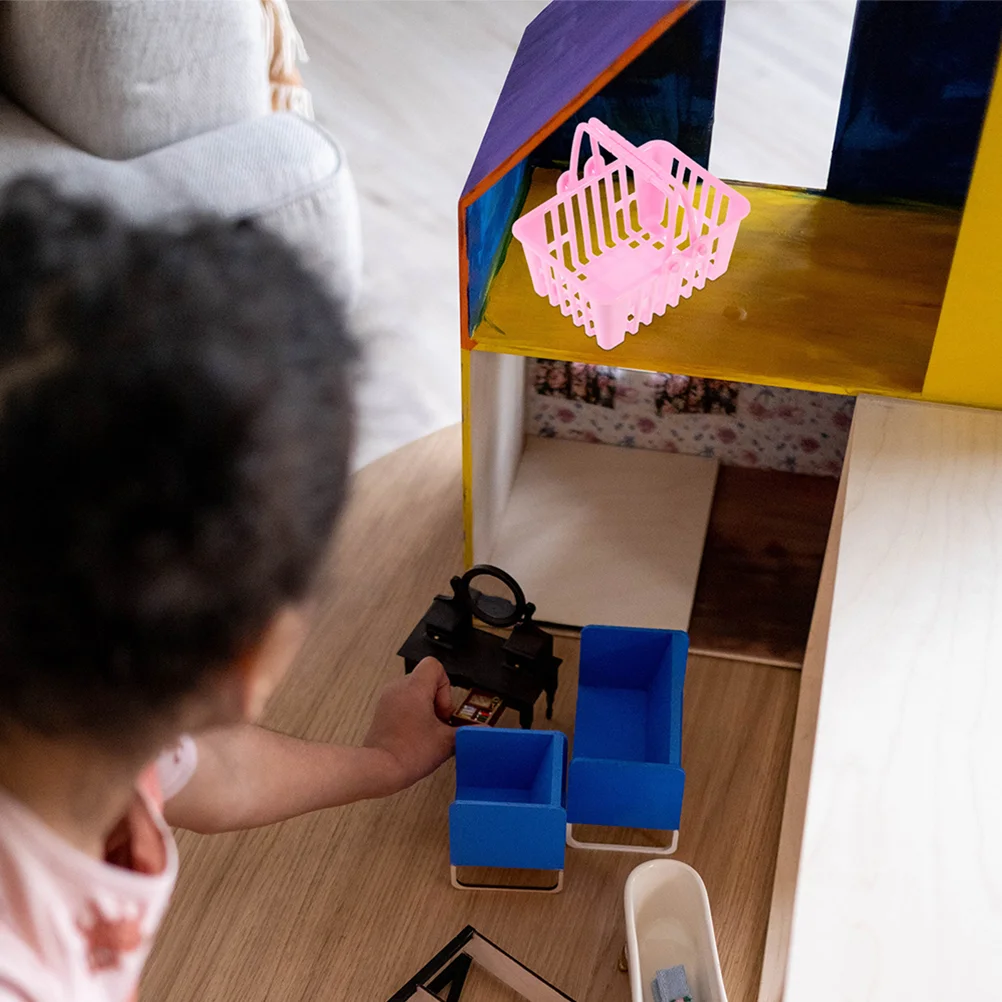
(667, 92)
(488, 233)
(916, 86)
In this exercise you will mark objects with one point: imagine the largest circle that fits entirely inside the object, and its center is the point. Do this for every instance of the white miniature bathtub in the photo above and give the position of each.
(667, 923)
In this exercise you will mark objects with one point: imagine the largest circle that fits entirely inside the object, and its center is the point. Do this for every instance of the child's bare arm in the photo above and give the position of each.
(248, 776)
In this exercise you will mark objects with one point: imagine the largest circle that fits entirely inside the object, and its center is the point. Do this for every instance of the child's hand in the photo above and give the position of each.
(248, 776)
(409, 724)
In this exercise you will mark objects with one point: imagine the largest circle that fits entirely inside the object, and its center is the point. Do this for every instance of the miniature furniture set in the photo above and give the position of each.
(516, 799)
(358, 900)
(509, 809)
(668, 921)
(516, 796)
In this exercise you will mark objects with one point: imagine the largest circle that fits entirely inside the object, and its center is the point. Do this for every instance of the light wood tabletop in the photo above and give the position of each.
(350, 903)
(899, 888)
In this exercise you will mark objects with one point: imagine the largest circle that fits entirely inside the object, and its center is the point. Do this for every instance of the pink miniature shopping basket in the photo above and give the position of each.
(629, 235)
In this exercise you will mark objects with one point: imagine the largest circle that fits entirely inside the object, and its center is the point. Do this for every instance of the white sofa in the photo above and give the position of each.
(162, 106)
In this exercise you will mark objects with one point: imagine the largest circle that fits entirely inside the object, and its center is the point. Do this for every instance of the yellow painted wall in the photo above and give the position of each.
(966, 362)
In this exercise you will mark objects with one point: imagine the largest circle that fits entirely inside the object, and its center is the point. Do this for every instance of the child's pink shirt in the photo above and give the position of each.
(78, 929)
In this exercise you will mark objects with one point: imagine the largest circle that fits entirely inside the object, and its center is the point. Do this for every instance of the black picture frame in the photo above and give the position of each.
(443, 978)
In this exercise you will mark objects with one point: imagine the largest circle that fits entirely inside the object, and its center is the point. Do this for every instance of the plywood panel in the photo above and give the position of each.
(484, 237)
(599, 534)
(777, 943)
(820, 294)
(494, 405)
(899, 894)
(348, 904)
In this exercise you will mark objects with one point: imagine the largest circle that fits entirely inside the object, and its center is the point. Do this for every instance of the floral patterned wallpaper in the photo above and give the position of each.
(740, 424)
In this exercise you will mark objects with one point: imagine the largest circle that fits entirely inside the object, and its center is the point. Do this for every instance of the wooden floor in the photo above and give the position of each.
(349, 904)
(761, 564)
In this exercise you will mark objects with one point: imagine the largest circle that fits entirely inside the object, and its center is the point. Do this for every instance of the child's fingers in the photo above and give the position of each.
(443, 700)
(431, 674)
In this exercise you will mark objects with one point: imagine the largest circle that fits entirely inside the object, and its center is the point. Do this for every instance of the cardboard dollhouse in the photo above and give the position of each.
(887, 283)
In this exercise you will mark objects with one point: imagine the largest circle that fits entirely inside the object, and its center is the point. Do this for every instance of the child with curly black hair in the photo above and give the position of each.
(175, 430)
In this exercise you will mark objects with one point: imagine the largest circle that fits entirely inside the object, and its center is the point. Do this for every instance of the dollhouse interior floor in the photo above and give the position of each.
(639, 537)
(596, 533)
(802, 263)
(599, 534)
(761, 564)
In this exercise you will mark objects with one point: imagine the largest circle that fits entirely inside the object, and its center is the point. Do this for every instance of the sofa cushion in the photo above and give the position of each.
(611, 723)
(281, 170)
(624, 794)
(122, 79)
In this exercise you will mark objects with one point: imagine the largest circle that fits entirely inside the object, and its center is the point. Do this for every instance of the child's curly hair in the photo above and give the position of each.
(175, 428)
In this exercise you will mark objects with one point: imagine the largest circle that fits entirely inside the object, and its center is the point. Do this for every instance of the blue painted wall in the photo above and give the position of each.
(916, 86)
(667, 92)
(488, 234)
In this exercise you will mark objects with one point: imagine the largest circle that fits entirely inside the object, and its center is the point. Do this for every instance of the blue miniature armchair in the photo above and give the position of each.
(626, 769)
(509, 808)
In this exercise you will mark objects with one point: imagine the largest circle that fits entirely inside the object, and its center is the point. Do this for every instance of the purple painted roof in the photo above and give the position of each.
(562, 51)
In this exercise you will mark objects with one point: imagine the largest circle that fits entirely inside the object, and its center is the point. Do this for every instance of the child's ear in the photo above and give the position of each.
(258, 673)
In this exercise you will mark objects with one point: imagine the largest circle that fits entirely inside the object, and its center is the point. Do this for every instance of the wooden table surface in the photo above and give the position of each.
(348, 904)
(899, 888)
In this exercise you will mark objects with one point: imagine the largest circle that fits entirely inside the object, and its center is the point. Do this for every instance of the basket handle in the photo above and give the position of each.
(599, 135)
(574, 169)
